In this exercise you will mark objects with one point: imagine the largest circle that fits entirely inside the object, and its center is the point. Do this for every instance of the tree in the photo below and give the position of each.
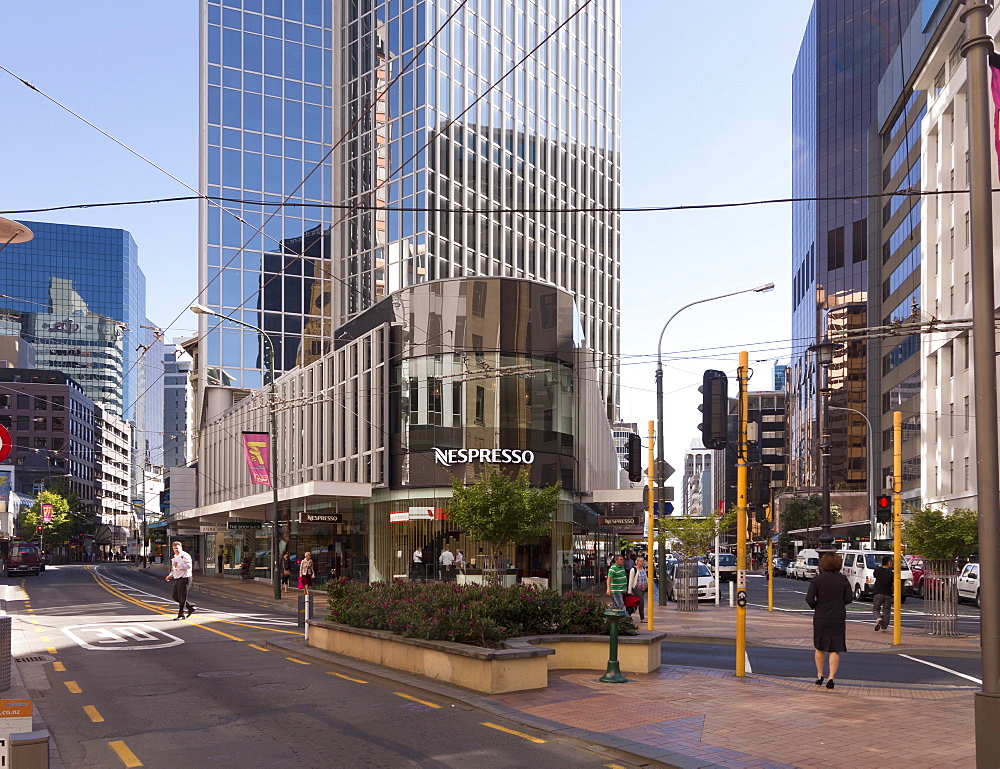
(804, 513)
(500, 510)
(939, 535)
(54, 531)
(694, 536)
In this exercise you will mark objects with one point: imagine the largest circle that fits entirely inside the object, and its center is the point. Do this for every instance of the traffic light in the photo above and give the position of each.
(39, 529)
(634, 458)
(883, 508)
(714, 409)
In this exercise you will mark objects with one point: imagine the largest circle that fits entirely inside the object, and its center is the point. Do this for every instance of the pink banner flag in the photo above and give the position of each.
(46, 513)
(257, 450)
(995, 88)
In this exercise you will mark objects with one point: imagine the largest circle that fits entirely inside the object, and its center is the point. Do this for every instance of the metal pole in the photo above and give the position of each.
(770, 561)
(897, 527)
(977, 49)
(871, 470)
(741, 517)
(650, 537)
(825, 540)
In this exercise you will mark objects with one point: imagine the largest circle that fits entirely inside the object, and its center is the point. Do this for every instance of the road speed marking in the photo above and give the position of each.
(120, 636)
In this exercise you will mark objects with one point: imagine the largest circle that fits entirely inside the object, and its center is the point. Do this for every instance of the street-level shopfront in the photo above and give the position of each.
(494, 372)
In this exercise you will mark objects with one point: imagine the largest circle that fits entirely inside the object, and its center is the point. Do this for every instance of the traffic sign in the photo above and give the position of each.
(663, 469)
(6, 444)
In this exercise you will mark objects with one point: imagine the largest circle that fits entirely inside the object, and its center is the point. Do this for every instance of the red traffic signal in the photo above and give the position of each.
(39, 528)
(884, 502)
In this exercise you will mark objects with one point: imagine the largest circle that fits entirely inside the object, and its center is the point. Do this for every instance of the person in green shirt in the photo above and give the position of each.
(617, 583)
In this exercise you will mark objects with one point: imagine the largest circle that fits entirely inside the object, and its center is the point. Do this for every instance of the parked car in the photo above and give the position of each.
(705, 586)
(859, 568)
(968, 584)
(779, 567)
(23, 558)
(727, 566)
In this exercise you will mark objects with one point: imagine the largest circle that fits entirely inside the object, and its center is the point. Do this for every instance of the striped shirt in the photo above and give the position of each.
(617, 579)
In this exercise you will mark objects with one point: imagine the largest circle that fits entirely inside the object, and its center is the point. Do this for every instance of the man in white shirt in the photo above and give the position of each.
(447, 560)
(180, 573)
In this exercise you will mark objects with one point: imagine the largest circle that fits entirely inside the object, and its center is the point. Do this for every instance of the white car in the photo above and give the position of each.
(706, 581)
(968, 583)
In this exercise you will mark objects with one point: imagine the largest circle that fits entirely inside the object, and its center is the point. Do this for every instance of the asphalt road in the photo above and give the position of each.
(119, 682)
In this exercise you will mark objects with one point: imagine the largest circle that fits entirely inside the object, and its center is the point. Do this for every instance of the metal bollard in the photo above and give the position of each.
(305, 613)
(29, 750)
(613, 675)
(5, 660)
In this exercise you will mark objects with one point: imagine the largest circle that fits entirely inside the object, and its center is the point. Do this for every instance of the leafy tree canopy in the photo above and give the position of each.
(694, 536)
(941, 535)
(499, 509)
(804, 513)
(57, 529)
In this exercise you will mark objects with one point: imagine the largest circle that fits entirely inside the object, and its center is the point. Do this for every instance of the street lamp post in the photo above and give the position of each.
(273, 431)
(659, 473)
(871, 470)
(824, 358)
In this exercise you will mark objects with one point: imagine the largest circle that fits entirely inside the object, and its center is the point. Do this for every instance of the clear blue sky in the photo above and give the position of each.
(706, 119)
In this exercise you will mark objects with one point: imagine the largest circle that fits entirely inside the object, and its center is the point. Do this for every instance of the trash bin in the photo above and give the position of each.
(29, 750)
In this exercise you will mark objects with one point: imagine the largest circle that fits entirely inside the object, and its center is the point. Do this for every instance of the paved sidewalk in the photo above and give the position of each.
(696, 717)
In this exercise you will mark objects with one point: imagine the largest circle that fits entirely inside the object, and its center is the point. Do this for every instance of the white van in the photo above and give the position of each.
(806, 564)
(968, 584)
(859, 568)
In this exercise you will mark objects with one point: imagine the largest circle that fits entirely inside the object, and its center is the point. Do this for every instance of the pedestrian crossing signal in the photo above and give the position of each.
(883, 508)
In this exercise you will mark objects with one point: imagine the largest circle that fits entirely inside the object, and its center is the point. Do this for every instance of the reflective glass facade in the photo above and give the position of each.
(424, 166)
(844, 53)
(78, 295)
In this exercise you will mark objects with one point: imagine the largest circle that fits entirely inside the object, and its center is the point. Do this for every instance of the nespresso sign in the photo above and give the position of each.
(494, 456)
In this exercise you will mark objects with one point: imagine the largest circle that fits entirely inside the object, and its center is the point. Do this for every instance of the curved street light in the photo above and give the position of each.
(658, 473)
(199, 309)
(13, 232)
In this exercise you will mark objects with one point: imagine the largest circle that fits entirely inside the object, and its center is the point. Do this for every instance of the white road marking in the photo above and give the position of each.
(942, 667)
(120, 636)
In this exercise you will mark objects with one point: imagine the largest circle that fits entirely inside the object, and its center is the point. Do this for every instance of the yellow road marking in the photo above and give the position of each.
(614, 766)
(46, 639)
(34, 621)
(58, 667)
(91, 711)
(292, 659)
(258, 648)
(347, 678)
(422, 702)
(522, 735)
(127, 756)
(73, 686)
(51, 650)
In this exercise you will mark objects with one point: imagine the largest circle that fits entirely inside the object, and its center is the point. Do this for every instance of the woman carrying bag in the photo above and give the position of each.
(638, 586)
(306, 572)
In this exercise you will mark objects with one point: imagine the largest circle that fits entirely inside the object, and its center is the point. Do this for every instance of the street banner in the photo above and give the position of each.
(46, 513)
(257, 450)
(995, 89)
(5, 485)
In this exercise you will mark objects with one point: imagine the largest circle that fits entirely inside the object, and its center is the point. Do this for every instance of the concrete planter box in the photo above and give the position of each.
(523, 665)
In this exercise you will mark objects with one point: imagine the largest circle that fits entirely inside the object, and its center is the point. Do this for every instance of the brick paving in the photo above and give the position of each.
(696, 717)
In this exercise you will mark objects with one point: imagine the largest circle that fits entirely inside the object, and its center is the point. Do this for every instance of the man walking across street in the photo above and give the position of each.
(882, 593)
(180, 573)
(617, 583)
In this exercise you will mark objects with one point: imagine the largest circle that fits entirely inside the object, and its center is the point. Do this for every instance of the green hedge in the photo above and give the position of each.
(469, 614)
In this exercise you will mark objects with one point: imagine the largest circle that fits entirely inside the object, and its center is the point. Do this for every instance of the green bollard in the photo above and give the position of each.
(613, 674)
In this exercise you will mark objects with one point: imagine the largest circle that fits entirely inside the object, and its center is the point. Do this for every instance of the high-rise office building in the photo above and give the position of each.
(843, 56)
(176, 406)
(483, 143)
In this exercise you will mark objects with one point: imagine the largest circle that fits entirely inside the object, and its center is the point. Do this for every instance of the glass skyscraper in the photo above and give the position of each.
(843, 56)
(480, 143)
(78, 295)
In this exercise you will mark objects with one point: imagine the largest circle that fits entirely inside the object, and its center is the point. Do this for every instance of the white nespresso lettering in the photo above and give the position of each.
(493, 456)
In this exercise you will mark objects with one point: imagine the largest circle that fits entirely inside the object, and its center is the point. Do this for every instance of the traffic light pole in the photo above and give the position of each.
(742, 375)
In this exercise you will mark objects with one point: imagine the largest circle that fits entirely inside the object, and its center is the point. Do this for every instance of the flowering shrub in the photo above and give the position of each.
(470, 614)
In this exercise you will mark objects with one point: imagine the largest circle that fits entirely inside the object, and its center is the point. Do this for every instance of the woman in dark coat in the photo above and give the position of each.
(829, 593)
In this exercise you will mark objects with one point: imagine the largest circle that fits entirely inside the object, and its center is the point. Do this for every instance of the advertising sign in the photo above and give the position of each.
(5, 485)
(241, 525)
(321, 517)
(621, 520)
(46, 513)
(257, 450)
(495, 456)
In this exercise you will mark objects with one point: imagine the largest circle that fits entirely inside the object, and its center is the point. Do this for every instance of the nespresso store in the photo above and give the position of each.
(432, 384)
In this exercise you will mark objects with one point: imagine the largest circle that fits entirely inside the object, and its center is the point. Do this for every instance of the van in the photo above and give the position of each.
(727, 566)
(806, 564)
(859, 568)
(23, 558)
(968, 584)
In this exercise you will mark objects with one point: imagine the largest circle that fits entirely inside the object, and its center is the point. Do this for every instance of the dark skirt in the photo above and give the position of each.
(829, 635)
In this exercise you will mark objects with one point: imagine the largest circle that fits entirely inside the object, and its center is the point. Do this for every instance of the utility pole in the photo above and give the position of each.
(650, 537)
(977, 49)
(897, 527)
(742, 376)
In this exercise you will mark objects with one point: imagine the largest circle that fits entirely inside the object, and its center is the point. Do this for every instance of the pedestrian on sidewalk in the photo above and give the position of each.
(885, 583)
(828, 595)
(638, 585)
(446, 560)
(180, 573)
(306, 571)
(286, 571)
(617, 583)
